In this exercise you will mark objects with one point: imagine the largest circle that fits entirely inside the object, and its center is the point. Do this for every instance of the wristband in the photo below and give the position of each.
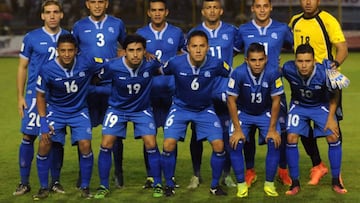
(44, 126)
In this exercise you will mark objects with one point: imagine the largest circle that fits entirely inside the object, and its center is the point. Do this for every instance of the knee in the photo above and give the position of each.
(169, 144)
(149, 141)
(292, 138)
(85, 146)
(218, 145)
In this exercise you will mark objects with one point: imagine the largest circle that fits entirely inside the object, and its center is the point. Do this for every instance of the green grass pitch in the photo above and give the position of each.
(134, 170)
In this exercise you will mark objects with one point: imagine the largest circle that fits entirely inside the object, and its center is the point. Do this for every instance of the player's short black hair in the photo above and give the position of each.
(67, 38)
(134, 38)
(305, 49)
(161, 1)
(51, 2)
(255, 47)
(199, 33)
(253, 1)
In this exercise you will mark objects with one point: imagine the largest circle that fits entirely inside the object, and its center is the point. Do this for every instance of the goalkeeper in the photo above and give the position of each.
(312, 99)
(323, 32)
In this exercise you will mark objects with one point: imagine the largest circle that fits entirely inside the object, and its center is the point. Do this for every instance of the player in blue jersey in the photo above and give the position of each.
(99, 35)
(274, 36)
(62, 88)
(194, 80)
(164, 41)
(38, 47)
(312, 99)
(222, 43)
(254, 102)
(129, 101)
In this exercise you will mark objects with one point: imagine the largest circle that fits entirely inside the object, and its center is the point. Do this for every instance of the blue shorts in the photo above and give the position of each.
(261, 122)
(207, 124)
(299, 118)
(30, 123)
(115, 123)
(79, 124)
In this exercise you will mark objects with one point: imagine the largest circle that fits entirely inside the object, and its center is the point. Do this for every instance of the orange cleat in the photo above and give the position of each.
(339, 189)
(250, 177)
(317, 172)
(293, 190)
(283, 177)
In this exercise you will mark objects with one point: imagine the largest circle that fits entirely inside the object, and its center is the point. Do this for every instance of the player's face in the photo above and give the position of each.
(97, 8)
(66, 54)
(52, 16)
(305, 64)
(256, 62)
(157, 12)
(261, 10)
(198, 48)
(134, 54)
(212, 11)
(310, 7)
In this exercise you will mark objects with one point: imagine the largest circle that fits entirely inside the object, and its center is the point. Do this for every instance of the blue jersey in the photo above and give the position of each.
(274, 36)
(130, 89)
(254, 93)
(38, 47)
(313, 91)
(222, 41)
(164, 45)
(66, 89)
(99, 39)
(194, 85)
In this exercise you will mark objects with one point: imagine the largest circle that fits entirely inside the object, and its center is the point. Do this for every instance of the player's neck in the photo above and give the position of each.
(212, 24)
(158, 26)
(313, 14)
(52, 30)
(97, 18)
(262, 23)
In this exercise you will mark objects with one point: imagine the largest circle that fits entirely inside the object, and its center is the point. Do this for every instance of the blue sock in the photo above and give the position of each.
(104, 165)
(237, 161)
(154, 164)
(292, 158)
(272, 160)
(57, 157)
(26, 155)
(217, 165)
(335, 154)
(86, 166)
(167, 164)
(43, 166)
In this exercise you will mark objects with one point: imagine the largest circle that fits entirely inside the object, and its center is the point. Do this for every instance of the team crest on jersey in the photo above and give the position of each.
(146, 74)
(274, 35)
(82, 74)
(231, 83)
(265, 85)
(207, 74)
(38, 80)
(225, 37)
(111, 29)
(170, 40)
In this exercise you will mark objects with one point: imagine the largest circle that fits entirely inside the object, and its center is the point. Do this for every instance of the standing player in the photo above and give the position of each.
(254, 102)
(129, 101)
(38, 47)
(62, 88)
(274, 36)
(99, 35)
(164, 41)
(194, 80)
(222, 43)
(323, 32)
(312, 99)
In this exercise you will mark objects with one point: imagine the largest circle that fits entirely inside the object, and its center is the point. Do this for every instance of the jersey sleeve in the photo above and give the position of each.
(277, 87)
(334, 29)
(41, 81)
(234, 81)
(122, 33)
(26, 47)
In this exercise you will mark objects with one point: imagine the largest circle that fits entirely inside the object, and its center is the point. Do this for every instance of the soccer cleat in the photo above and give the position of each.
(101, 192)
(42, 194)
(57, 187)
(158, 192)
(294, 188)
(250, 177)
(119, 181)
(22, 189)
(283, 177)
(316, 173)
(194, 182)
(337, 186)
(228, 181)
(242, 190)
(169, 191)
(148, 183)
(270, 189)
(217, 191)
(85, 193)
(176, 185)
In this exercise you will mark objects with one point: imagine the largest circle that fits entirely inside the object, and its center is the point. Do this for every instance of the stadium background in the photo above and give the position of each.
(19, 16)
